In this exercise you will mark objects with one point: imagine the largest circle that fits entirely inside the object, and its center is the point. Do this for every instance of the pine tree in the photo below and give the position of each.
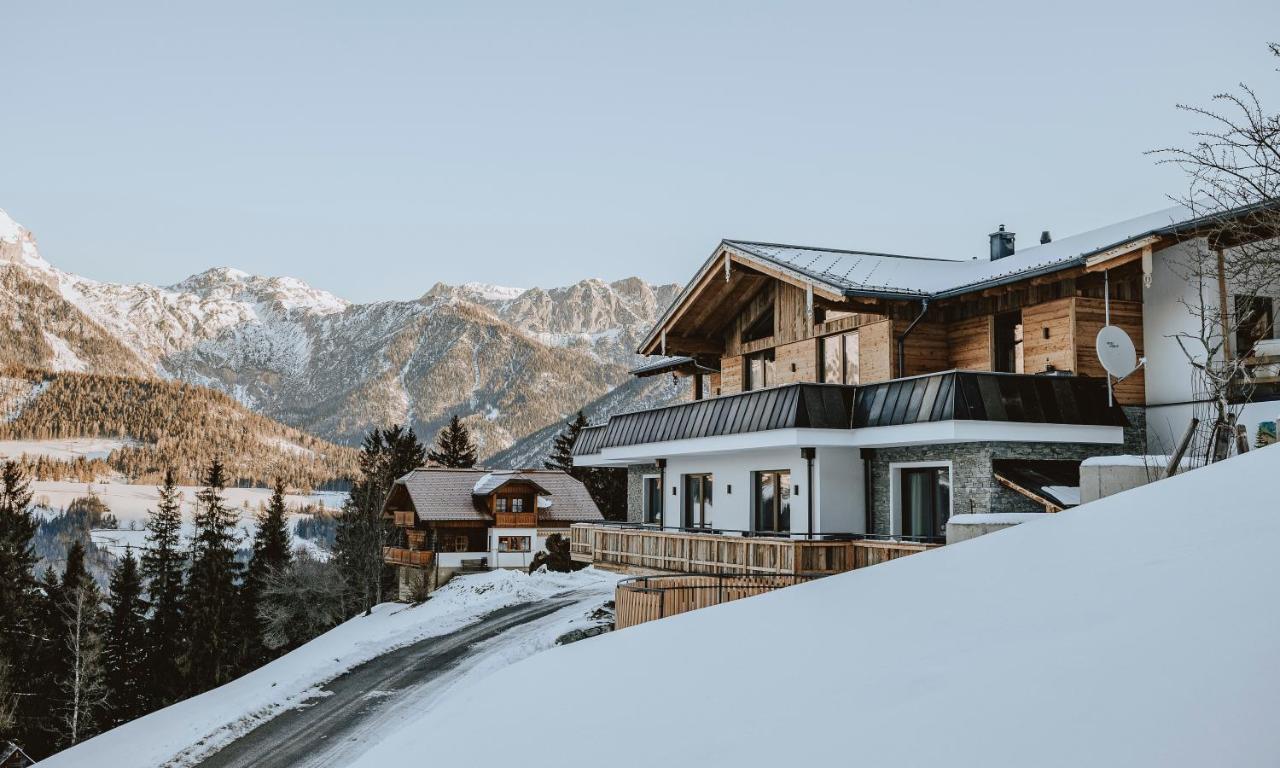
(385, 455)
(19, 596)
(561, 457)
(209, 602)
(81, 693)
(454, 448)
(163, 566)
(126, 644)
(272, 553)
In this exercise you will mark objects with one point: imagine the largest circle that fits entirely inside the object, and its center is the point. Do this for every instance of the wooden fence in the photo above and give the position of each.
(648, 598)
(402, 556)
(685, 552)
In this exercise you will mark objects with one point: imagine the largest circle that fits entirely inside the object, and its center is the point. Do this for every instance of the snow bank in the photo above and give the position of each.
(193, 728)
(1137, 630)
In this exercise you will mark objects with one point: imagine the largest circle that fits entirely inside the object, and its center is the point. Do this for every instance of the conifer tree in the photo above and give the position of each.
(210, 598)
(126, 646)
(561, 457)
(17, 583)
(163, 566)
(272, 553)
(80, 687)
(385, 455)
(454, 448)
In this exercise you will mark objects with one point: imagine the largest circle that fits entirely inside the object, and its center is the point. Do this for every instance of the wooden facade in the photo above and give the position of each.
(756, 312)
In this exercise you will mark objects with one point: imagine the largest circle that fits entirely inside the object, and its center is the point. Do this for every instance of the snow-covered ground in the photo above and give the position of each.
(65, 449)
(183, 733)
(1139, 630)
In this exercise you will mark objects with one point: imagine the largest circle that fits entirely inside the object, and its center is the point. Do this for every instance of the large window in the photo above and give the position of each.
(1008, 342)
(513, 544)
(758, 370)
(926, 501)
(773, 502)
(840, 358)
(651, 498)
(697, 501)
(1255, 321)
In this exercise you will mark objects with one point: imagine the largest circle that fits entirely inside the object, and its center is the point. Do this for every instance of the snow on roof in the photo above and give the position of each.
(913, 276)
(494, 480)
(1128, 631)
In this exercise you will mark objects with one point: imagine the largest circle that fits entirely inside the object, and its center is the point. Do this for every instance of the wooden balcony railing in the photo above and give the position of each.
(402, 556)
(515, 520)
(689, 552)
(647, 598)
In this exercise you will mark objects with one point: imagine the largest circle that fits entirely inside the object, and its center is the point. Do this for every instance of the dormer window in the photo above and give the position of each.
(500, 504)
(517, 505)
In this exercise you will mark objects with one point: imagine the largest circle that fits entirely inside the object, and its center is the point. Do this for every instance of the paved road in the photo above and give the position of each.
(334, 729)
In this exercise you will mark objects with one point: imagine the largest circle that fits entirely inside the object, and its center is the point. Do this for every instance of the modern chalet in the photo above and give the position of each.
(449, 520)
(846, 406)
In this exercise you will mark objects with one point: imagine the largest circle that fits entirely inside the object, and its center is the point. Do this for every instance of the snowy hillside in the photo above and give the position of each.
(312, 360)
(1139, 630)
(184, 732)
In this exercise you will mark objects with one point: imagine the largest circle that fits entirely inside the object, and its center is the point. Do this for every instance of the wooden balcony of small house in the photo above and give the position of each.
(414, 558)
(647, 549)
(515, 519)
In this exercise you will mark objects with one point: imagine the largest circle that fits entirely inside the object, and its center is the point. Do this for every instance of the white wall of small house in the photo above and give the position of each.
(1170, 378)
(514, 559)
(838, 477)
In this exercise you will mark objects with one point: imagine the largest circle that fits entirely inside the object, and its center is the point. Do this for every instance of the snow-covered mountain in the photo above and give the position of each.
(510, 361)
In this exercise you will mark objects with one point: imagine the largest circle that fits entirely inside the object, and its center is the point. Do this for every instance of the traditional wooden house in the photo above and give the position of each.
(450, 519)
(875, 396)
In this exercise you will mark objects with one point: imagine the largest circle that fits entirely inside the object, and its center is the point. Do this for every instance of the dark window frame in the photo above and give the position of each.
(706, 500)
(780, 480)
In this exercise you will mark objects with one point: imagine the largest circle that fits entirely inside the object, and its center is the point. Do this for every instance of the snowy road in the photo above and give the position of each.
(376, 698)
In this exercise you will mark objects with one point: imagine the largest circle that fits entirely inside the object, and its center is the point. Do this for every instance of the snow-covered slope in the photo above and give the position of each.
(184, 732)
(509, 360)
(1139, 630)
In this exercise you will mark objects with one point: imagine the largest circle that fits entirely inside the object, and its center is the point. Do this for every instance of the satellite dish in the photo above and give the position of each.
(1116, 352)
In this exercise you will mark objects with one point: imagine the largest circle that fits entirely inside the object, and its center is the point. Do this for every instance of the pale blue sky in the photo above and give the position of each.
(375, 148)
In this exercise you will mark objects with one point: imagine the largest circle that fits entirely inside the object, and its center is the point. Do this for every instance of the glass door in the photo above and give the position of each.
(697, 501)
(926, 501)
(773, 502)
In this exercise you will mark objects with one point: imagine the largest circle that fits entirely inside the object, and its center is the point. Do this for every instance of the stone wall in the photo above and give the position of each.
(635, 490)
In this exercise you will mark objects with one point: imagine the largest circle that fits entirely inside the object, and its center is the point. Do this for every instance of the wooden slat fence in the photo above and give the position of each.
(648, 598)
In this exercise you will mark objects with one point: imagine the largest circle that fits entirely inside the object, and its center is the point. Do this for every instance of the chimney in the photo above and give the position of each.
(1001, 244)
(1044, 237)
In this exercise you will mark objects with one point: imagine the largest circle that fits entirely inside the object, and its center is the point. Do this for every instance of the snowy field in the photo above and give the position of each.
(66, 449)
(181, 734)
(1139, 630)
(131, 504)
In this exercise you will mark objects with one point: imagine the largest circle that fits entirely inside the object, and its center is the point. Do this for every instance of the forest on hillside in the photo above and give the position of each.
(170, 425)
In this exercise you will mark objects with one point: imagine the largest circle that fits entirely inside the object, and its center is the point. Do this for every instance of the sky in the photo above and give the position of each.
(373, 149)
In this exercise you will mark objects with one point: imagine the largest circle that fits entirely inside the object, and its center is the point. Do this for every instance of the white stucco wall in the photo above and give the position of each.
(838, 477)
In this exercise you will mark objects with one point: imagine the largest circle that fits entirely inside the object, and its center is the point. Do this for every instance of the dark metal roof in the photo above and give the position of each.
(666, 364)
(1041, 478)
(962, 395)
(986, 396)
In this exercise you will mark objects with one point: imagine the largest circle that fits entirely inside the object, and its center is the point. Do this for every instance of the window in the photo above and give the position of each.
(1255, 321)
(773, 501)
(517, 504)
(513, 544)
(926, 501)
(761, 327)
(460, 544)
(500, 504)
(758, 370)
(697, 501)
(1008, 343)
(651, 499)
(840, 358)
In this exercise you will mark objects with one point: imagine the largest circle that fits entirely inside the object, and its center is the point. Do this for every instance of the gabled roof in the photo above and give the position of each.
(436, 493)
(498, 478)
(854, 274)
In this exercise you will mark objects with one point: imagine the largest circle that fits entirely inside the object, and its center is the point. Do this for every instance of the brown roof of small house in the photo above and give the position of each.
(437, 493)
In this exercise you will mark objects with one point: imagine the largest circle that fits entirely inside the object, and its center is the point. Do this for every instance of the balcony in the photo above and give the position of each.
(515, 520)
(413, 558)
(649, 598)
(632, 548)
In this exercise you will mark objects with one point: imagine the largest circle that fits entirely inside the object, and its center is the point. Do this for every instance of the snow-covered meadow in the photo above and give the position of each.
(182, 733)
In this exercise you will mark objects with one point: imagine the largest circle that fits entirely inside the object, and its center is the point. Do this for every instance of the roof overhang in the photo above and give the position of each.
(682, 365)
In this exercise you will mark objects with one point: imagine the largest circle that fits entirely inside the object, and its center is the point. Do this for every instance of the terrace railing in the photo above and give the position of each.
(647, 598)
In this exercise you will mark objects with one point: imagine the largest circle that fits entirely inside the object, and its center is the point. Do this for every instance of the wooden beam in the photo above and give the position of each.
(692, 345)
(1125, 249)
(1049, 506)
(778, 274)
(1222, 306)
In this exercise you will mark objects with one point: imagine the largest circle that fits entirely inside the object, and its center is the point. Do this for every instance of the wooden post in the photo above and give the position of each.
(1242, 439)
(1183, 444)
(1222, 307)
